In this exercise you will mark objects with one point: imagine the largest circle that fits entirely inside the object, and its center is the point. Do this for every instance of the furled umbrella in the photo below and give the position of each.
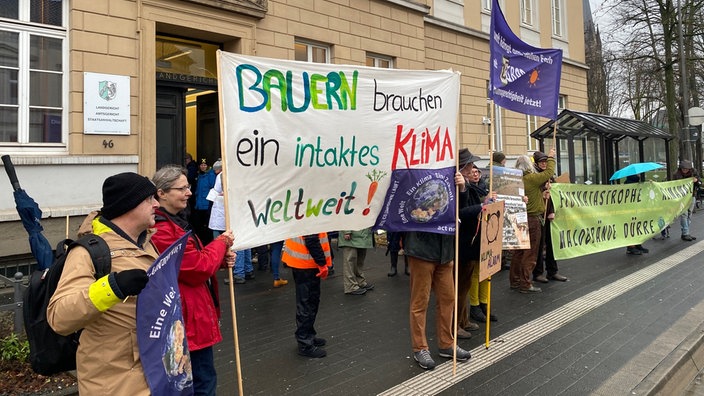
(635, 169)
(31, 215)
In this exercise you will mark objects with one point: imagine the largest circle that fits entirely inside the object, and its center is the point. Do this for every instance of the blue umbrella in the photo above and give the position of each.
(634, 169)
(31, 215)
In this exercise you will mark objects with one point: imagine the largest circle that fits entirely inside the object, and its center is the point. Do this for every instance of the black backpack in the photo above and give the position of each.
(51, 353)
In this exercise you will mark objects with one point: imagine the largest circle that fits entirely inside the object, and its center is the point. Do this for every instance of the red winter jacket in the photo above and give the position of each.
(199, 265)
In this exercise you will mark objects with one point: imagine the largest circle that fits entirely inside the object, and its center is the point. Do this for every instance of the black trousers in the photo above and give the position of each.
(548, 257)
(307, 302)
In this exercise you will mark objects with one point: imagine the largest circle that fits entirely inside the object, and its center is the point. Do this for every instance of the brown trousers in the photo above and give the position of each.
(427, 276)
(523, 261)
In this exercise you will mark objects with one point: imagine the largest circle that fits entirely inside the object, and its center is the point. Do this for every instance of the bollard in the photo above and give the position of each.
(19, 322)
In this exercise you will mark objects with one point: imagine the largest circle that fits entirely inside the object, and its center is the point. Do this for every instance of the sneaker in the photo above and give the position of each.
(688, 238)
(462, 355)
(633, 251)
(368, 286)
(540, 278)
(312, 352)
(476, 313)
(357, 292)
(239, 280)
(642, 249)
(471, 326)
(561, 278)
(531, 289)
(319, 342)
(424, 360)
(249, 275)
(463, 334)
(280, 282)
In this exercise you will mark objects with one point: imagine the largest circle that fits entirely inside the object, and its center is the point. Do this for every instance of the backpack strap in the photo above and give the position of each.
(99, 253)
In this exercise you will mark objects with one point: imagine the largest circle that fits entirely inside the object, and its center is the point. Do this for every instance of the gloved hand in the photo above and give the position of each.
(129, 282)
(115, 287)
(322, 271)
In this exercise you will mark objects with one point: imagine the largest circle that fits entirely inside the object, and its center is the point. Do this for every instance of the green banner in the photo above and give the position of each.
(595, 218)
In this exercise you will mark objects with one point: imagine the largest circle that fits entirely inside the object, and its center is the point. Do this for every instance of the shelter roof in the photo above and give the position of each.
(580, 124)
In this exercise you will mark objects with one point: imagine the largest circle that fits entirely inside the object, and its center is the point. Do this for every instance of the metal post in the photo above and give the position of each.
(685, 90)
(19, 322)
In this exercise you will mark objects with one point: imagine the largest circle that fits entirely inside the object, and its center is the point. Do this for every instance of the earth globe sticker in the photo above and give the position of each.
(429, 201)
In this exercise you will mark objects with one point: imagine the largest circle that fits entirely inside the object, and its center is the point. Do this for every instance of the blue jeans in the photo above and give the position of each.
(243, 263)
(205, 378)
(686, 218)
(276, 248)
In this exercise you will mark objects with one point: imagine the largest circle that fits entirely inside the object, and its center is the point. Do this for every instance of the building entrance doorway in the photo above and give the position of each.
(187, 119)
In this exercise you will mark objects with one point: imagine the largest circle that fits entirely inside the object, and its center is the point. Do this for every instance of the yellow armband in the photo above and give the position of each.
(102, 295)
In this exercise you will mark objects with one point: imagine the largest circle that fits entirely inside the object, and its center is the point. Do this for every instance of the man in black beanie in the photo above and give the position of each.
(107, 358)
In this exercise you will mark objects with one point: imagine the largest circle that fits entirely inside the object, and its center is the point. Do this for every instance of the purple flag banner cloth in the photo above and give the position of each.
(523, 78)
(161, 334)
(420, 200)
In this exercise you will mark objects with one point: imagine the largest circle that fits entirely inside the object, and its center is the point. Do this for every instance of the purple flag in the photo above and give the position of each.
(161, 333)
(420, 200)
(523, 78)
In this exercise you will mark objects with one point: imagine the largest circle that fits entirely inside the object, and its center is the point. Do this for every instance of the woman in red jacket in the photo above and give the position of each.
(196, 280)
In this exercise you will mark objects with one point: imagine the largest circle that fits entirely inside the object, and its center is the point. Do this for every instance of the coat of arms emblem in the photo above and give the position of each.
(107, 90)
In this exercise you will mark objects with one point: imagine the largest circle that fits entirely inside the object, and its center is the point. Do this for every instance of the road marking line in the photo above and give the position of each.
(435, 381)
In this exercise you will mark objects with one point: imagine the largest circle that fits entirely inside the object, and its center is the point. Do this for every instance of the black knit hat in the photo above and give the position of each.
(123, 192)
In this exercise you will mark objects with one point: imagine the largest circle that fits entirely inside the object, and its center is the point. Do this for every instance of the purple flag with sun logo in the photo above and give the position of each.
(523, 78)
(161, 334)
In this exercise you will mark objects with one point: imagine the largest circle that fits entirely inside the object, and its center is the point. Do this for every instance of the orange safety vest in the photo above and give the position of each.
(296, 253)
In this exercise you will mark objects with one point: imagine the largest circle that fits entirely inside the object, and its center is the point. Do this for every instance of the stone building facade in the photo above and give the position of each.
(165, 49)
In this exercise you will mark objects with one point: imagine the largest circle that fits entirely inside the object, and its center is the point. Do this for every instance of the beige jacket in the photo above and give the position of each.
(108, 357)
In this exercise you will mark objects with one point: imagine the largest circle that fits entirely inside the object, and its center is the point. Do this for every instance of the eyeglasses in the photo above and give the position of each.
(182, 189)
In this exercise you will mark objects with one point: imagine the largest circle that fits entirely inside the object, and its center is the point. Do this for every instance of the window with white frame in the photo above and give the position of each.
(312, 52)
(561, 103)
(531, 126)
(557, 28)
(33, 73)
(380, 61)
(486, 5)
(527, 12)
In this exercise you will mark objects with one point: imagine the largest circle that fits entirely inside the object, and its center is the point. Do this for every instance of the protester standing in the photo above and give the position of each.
(394, 241)
(108, 360)
(309, 259)
(469, 239)
(196, 280)
(523, 261)
(546, 261)
(354, 245)
(430, 259)
(684, 171)
(200, 215)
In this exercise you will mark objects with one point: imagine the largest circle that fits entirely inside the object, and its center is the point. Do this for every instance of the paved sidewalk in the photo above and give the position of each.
(622, 324)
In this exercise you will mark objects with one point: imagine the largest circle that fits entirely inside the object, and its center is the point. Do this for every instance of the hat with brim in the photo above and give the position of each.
(465, 157)
(539, 156)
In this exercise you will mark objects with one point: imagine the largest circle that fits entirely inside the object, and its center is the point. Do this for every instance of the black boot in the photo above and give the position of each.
(394, 263)
(492, 317)
(476, 313)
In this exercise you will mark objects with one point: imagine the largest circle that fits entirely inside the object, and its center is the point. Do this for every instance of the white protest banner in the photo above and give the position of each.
(312, 147)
